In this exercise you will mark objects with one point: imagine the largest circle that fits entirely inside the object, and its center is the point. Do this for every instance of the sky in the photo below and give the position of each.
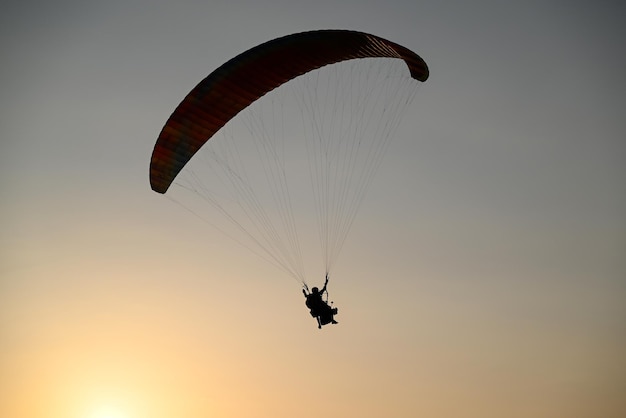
(485, 275)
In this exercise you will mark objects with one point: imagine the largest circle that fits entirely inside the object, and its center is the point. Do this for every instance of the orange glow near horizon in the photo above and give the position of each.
(183, 348)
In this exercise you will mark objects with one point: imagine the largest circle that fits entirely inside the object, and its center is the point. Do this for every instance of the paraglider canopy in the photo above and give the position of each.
(250, 75)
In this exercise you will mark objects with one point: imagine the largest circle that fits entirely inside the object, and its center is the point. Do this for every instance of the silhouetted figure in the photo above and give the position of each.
(320, 310)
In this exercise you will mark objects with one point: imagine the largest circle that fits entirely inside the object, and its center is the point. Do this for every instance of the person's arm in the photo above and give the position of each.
(325, 283)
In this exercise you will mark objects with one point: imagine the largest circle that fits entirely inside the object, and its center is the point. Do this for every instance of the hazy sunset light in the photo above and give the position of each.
(479, 270)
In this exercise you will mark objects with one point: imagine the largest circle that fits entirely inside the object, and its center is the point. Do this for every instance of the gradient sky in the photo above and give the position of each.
(485, 275)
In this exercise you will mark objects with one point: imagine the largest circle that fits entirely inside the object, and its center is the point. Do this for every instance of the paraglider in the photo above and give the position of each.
(287, 135)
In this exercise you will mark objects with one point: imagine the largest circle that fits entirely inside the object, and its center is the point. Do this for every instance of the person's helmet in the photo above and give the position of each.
(315, 290)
